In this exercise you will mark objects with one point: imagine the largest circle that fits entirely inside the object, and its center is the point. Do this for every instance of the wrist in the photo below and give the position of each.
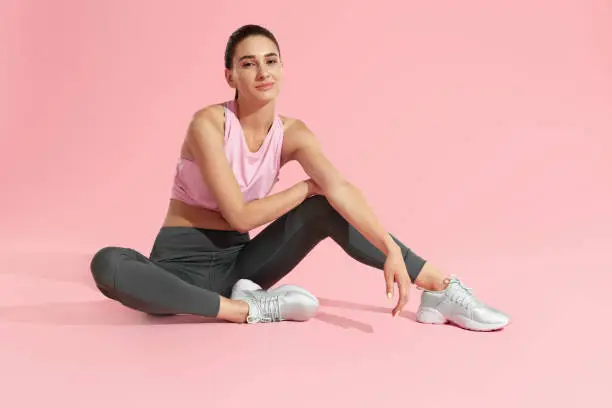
(392, 248)
(310, 187)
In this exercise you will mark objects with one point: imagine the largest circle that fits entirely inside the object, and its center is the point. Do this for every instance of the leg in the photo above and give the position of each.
(276, 250)
(132, 279)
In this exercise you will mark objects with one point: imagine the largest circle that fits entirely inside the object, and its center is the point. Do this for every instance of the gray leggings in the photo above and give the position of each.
(189, 268)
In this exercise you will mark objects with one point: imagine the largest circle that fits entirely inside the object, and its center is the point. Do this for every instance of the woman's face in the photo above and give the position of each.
(257, 71)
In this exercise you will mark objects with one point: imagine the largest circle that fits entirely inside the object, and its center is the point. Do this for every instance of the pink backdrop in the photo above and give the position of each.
(480, 132)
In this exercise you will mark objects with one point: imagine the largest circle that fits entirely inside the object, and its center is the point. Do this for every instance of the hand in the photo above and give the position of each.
(395, 271)
(313, 188)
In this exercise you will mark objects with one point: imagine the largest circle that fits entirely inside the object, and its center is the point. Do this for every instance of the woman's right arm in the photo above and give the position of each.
(206, 140)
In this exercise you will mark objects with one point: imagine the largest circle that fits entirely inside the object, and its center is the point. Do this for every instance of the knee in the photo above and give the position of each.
(103, 265)
(318, 207)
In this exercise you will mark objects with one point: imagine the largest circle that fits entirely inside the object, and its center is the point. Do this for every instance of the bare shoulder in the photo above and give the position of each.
(297, 131)
(207, 122)
(206, 126)
(211, 115)
(297, 135)
(294, 126)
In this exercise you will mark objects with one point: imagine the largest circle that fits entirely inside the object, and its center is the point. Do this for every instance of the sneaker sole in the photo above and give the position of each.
(432, 316)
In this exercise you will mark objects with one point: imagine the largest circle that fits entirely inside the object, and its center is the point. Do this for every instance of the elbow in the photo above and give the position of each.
(238, 221)
(241, 227)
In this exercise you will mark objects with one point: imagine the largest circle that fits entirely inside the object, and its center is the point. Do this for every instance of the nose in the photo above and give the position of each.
(263, 71)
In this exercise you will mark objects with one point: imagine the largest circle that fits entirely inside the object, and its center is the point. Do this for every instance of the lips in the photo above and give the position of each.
(265, 86)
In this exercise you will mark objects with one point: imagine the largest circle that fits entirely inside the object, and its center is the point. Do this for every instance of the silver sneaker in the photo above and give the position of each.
(458, 305)
(286, 303)
(295, 288)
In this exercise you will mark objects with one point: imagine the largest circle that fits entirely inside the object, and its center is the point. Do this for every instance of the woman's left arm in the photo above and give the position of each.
(343, 196)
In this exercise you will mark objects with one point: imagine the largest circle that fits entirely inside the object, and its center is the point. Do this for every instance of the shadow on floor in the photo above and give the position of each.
(74, 268)
(110, 313)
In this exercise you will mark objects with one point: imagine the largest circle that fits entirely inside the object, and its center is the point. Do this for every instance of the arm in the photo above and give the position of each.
(205, 140)
(342, 195)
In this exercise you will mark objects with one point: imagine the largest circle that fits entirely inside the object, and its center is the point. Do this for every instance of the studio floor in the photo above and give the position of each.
(480, 132)
(64, 344)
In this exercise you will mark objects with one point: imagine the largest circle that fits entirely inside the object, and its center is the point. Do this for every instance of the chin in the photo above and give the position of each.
(266, 96)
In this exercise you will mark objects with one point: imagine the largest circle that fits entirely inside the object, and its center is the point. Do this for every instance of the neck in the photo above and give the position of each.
(256, 117)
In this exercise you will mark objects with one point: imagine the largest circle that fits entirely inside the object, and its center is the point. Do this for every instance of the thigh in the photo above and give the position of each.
(279, 247)
(200, 257)
(210, 270)
(112, 267)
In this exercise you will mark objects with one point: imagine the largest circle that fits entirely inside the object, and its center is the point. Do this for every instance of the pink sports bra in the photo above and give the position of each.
(256, 172)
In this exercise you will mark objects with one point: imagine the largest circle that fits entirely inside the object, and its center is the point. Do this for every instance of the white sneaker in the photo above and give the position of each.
(458, 305)
(243, 285)
(295, 288)
(284, 303)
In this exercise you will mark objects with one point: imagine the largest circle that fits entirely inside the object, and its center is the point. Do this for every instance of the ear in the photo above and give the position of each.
(229, 78)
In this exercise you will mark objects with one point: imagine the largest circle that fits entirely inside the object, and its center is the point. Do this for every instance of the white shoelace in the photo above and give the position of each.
(461, 294)
(267, 309)
(458, 293)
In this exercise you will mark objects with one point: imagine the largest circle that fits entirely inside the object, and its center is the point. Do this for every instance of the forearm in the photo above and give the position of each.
(350, 204)
(259, 212)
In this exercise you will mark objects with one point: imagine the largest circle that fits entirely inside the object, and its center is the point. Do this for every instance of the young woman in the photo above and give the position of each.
(203, 261)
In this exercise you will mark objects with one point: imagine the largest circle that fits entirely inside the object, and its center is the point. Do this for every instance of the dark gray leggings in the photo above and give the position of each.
(189, 268)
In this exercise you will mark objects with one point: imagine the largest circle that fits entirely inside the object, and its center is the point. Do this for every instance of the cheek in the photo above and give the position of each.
(278, 73)
(245, 77)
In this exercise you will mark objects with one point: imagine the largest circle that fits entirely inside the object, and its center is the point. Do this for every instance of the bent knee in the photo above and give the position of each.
(104, 264)
(318, 206)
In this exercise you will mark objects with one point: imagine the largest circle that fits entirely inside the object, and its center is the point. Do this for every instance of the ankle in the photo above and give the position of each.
(431, 279)
(431, 285)
(243, 311)
(235, 311)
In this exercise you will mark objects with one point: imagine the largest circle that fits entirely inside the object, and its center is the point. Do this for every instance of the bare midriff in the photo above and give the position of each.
(183, 215)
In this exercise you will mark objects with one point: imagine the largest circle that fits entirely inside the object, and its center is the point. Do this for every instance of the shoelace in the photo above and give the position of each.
(461, 294)
(268, 309)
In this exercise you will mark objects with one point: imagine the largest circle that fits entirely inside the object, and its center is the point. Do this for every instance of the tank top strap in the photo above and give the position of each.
(229, 109)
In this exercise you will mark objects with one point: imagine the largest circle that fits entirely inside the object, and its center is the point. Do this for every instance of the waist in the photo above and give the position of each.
(191, 243)
(181, 214)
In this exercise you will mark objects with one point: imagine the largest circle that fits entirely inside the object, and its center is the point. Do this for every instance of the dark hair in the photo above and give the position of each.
(240, 34)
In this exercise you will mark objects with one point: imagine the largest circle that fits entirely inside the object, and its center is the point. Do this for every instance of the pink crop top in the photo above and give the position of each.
(256, 172)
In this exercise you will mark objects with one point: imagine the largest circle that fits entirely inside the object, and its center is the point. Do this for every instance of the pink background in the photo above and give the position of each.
(480, 132)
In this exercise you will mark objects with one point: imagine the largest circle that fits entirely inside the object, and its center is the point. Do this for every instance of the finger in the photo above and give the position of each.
(389, 284)
(403, 297)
